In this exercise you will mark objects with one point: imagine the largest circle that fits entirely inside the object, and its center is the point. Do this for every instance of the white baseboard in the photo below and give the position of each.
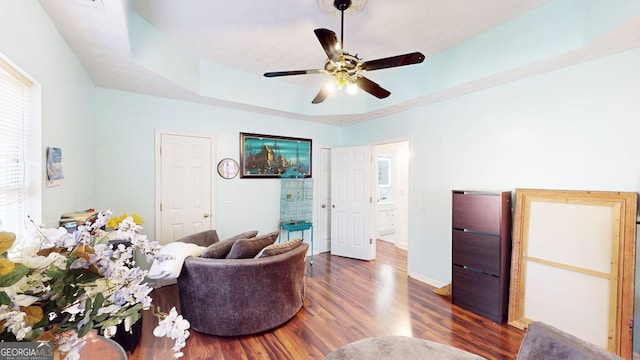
(427, 280)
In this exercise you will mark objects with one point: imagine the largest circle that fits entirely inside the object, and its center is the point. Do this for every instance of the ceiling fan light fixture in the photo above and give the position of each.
(330, 86)
(352, 88)
(342, 79)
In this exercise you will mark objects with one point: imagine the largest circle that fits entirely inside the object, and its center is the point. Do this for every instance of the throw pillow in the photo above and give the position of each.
(248, 248)
(245, 235)
(203, 238)
(220, 249)
(277, 249)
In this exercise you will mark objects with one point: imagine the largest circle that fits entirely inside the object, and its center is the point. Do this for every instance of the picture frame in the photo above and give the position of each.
(575, 243)
(54, 166)
(271, 156)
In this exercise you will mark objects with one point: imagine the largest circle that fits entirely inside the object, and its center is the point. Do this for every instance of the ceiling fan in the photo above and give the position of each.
(347, 69)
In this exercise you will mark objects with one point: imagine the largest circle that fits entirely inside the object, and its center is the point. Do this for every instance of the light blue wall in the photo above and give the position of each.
(575, 128)
(124, 177)
(31, 41)
(572, 129)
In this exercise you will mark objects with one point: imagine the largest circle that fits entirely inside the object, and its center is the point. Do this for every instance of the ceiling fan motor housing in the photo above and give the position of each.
(342, 5)
(347, 63)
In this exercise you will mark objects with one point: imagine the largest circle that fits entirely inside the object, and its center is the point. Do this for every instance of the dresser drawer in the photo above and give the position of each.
(477, 212)
(477, 292)
(477, 251)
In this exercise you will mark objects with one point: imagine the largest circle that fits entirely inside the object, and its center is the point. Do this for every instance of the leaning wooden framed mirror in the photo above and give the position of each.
(573, 264)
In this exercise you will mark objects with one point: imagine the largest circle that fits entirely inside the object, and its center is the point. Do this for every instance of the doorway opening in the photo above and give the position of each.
(391, 161)
(389, 183)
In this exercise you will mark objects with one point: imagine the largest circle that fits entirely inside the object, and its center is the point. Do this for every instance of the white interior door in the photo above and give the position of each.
(351, 230)
(186, 185)
(324, 222)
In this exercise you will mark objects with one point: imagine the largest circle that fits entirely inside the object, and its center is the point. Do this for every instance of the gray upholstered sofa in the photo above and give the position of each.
(231, 297)
(541, 342)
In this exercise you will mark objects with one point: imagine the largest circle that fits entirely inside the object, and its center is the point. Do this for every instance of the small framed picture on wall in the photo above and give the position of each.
(54, 166)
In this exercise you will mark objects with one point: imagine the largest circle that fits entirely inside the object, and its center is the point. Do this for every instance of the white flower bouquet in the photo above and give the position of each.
(58, 286)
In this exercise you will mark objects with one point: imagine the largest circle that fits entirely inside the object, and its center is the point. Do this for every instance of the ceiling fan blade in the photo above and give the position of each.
(293, 72)
(328, 40)
(372, 88)
(322, 94)
(399, 60)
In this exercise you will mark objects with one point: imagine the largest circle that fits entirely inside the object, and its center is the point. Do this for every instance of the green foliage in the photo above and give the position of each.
(4, 298)
(132, 312)
(13, 277)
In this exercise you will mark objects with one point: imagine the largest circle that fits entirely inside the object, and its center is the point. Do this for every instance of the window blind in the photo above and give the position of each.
(13, 137)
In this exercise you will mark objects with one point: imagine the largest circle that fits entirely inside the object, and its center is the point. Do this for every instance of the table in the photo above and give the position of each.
(301, 226)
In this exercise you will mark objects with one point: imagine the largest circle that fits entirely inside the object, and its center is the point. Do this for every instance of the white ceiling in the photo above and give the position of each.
(257, 36)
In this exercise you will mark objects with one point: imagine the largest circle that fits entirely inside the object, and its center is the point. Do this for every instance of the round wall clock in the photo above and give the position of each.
(228, 168)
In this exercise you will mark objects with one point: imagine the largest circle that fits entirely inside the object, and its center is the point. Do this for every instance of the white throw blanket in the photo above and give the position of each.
(170, 269)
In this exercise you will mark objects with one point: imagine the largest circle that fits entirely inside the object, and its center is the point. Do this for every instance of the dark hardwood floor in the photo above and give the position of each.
(346, 300)
(388, 253)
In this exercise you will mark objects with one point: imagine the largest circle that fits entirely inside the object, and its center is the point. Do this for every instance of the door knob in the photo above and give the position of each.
(206, 215)
(323, 206)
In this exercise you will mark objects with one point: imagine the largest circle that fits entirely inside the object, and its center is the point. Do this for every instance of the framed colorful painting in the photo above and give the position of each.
(269, 156)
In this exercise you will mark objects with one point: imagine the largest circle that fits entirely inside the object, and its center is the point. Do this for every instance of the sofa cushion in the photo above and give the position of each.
(276, 249)
(220, 249)
(203, 238)
(248, 248)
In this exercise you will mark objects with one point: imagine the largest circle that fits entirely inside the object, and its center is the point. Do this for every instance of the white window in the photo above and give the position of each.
(20, 159)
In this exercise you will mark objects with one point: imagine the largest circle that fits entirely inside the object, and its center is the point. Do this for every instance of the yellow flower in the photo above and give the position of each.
(6, 266)
(114, 221)
(34, 314)
(6, 240)
(137, 218)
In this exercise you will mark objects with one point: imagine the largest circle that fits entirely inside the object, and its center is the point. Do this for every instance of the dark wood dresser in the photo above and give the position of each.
(481, 252)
